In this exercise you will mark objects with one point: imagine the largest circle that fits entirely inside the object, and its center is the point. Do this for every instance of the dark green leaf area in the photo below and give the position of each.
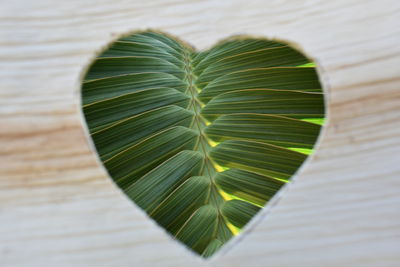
(158, 41)
(265, 101)
(239, 212)
(137, 49)
(178, 206)
(212, 247)
(116, 66)
(249, 186)
(104, 113)
(223, 232)
(261, 58)
(278, 78)
(106, 88)
(170, 41)
(151, 189)
(260, 158)
(121, 135)
(277, 130)
(198, 231)
(130, 164)
(228, 48)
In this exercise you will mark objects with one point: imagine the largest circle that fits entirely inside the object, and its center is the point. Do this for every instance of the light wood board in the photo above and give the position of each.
(58, 207)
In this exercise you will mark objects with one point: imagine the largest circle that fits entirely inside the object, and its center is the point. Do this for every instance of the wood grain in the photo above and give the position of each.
(58, 207)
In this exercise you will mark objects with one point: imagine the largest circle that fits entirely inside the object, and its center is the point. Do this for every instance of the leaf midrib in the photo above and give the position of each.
(215, 198)
(198, 124)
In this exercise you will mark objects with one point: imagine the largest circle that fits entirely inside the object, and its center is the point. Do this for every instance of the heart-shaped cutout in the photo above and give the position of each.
(202, 140)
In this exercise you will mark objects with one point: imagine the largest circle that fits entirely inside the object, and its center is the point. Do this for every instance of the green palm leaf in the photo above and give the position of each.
(202, 140)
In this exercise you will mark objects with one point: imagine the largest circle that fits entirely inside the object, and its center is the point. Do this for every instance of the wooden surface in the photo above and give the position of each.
(58, 207)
